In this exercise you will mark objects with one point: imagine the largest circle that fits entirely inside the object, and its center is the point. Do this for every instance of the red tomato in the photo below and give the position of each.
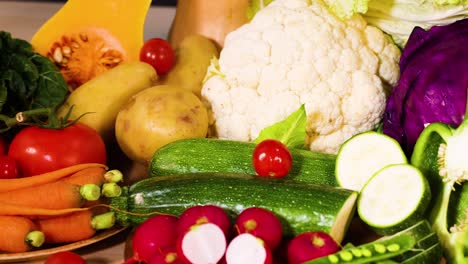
(159, 53)
(271, 158)
(8, 168)
(39, 150)
(65, 257)
(3, 146)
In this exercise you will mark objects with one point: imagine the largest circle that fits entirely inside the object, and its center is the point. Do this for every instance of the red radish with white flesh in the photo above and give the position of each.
(201, 214)
(166, 256)
(310, 245)
(261, 223)
(156, 233)
(202, 244)
(248, 249)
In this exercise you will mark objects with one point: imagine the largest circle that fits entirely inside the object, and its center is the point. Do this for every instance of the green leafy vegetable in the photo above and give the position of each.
(341, 8)
(440, 153)
(347, 8)
(31, 86)
(255, 6)
(291, 131)
(399, 18)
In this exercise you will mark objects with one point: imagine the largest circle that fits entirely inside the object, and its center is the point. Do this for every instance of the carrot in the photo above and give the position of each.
(19, 234)
(55, 195)
(93, 175)
(9, 209)
(14, 184)
(74, 227)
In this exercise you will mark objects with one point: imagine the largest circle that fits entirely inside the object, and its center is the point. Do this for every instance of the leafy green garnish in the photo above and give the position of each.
(347, 8)
(31, 86)
(343, 9)
(291, 131)
(255, 6)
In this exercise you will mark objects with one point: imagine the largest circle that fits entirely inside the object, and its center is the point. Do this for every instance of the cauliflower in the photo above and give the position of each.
(296, 52)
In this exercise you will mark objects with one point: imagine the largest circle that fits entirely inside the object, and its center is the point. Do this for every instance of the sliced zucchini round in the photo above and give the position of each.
(364, 154)
(394, 198)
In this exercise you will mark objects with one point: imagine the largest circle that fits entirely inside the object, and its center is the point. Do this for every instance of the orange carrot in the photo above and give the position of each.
(72, 227)
(14, 184)
(14, 209)
(19, 234)
(54, 195)
(93, 175)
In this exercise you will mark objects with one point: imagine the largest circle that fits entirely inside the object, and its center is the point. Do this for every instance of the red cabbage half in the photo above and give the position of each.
(433, 83)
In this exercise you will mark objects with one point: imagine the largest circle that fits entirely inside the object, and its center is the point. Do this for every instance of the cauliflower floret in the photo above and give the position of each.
(296, 52)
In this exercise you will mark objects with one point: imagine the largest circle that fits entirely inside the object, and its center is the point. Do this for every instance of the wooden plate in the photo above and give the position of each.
(36, 254)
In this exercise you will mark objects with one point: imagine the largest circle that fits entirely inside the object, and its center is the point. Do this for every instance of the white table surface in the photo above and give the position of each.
(22, 19)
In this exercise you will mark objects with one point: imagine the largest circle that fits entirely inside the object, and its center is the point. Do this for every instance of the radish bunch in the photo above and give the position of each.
(204, 234)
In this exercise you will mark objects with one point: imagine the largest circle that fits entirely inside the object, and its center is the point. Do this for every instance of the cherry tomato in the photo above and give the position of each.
(39, 150)
(8, 169)
(159, 54)
(271, 158)
(65, 257)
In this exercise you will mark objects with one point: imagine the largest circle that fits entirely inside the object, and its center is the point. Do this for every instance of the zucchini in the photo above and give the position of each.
(395, 198)
(300, 207)
(364, 154)
(227, 156)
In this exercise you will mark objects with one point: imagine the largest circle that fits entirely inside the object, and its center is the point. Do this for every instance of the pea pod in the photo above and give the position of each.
(377, 251)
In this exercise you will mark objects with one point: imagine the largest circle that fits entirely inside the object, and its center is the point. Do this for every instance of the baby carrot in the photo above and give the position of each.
(19, 234)
(75, 226)
(55, 195)
(18, 183)
(9, 209)
(93, 175)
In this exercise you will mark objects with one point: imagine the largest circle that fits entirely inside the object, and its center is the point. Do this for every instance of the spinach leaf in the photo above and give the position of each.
(30, 83)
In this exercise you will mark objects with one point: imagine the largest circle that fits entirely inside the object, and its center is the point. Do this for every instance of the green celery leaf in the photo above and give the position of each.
(291, 131)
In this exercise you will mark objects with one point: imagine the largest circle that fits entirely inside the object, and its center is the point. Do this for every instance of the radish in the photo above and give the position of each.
(248, 249)
(154, 234)
(166, 256)
(261, 223)
(310, 245)
(202, 244)
(201, 214)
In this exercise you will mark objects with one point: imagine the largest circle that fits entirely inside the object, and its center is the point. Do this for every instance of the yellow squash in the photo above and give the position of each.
(211, 18)
(87, 37)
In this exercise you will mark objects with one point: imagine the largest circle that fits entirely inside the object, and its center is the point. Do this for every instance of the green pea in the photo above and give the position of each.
(356, 252)
(366, 252)
(346, 255)
(333, 258)
(393, 247)
(379, 248)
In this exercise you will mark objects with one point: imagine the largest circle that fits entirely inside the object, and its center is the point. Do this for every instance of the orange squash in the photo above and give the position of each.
(87, 37)
(213, 19)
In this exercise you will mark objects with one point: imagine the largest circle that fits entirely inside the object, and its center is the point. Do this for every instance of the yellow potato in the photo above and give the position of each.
(193, 57)
(103, 96)
(156, 116)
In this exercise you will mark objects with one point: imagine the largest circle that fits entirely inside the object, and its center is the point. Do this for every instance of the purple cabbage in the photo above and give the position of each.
(433, 83)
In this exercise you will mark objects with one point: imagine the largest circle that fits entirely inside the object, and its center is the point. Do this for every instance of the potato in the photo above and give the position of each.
(103, 96)
(193, 57)
(156, 116)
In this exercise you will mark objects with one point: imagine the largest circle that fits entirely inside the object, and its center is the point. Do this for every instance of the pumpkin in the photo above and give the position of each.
(87, 37)
(212, 19)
